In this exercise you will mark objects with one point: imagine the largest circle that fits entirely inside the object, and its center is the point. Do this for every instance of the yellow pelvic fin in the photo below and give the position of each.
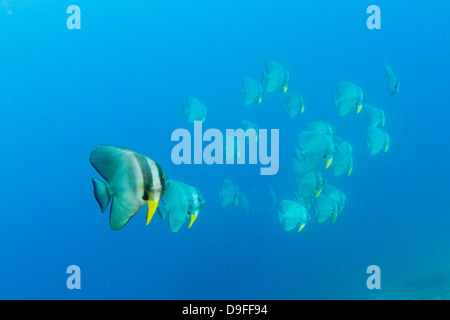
(350, 171)
(301, 227)
(318, 193)
(284, 89)
(329, 161)
(302, 110)
(193, 217)
(358, 110)
(334, 219)
(386, 148)
(152, 205)
(259, 100)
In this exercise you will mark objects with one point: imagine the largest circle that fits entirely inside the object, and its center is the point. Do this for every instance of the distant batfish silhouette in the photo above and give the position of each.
(251, 91)
(275, 77)
(377, 140)
(394, 84)
(293, 104)
(293, 215)
(194, 110)
(349, 97)
(181, 202)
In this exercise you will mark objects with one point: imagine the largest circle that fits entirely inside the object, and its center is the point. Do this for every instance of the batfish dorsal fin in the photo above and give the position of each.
(109, 161)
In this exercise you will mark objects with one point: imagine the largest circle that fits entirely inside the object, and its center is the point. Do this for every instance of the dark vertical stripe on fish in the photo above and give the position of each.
(146, 172)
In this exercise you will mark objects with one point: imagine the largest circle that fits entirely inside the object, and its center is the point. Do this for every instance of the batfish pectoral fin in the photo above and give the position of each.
(152, 205)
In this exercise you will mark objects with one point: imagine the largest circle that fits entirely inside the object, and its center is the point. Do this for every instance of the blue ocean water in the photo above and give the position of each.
(122, 80)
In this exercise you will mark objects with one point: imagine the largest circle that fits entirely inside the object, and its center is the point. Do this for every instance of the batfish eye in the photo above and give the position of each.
(189, 213)
(145, 196)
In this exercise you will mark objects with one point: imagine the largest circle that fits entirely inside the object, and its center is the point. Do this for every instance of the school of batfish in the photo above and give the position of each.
(134, 180)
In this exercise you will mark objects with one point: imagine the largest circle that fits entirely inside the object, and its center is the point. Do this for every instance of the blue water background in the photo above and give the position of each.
(122, 80)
